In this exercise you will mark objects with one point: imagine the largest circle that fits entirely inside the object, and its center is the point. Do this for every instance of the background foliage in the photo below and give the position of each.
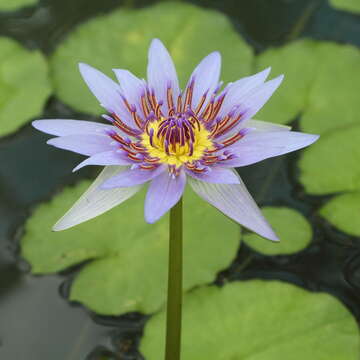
(311, 198)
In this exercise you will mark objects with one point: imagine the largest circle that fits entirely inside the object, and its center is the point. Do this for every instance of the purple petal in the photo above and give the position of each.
(83, 144)
(131, 177)
(105, 158)
(163, 193)
(107, 91)
(237, 91)
(64, 127)
(206, 78)
(216, 175)
(235, 202)
(95, 201)
(161, 72)
(255, 147)
(132, 87)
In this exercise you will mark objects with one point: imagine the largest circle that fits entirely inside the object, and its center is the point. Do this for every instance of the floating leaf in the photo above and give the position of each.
(8, 5)
(333, 163)
(121, 40)
(294, 232)
(128, 271)
(344, 212)
(322, 83)
(259, 320)
(24, 85)
(347, 5)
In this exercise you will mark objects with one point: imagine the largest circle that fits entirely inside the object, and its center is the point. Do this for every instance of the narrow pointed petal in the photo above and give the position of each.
(235, 202)
(237, 91)
(64, 127)
(83, 144)
(161, 72)
(95, 201)
(107, 91)
(255, 126)
(163, 193)
(263, 145)
(258, 97)
(216, 175)
(132, 87)
(131, 177)
(259, 125)
(105, 158)
(206, 78)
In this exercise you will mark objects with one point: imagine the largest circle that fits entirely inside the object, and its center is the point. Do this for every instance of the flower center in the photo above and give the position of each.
(176, 140)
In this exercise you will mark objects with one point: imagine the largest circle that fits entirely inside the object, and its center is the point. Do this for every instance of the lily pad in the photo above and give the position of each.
(259, 320)
(294, 231)
(24, 85)
(322, 83)
(9, 5)
(121, 40)
(347, 5)
(128, 267)
(344, 212)
(333, 163)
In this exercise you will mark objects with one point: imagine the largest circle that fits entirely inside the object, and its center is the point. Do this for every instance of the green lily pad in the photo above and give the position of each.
(347, 5)
(292, 238)
(8, 5)
(343, 212)
(128, 267)
(24, 85)
(333, 163)
(259, 320)
(121, 40)
(322, 83)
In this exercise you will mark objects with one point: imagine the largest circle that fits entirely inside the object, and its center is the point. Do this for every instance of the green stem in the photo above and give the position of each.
(174, 300)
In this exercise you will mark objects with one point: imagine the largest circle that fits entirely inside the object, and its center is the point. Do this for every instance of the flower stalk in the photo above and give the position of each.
(174, 299)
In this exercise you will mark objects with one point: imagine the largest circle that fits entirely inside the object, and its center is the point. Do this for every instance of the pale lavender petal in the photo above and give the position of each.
(113, 157)
(107, 91)
(256, 99)
(163, 193)
(255, 147)
(235, 202)
(83, 144)
(161, 72)
(64, 127)
(206, 78)
(216, 175)
(131, 177)
(255, 126)
(132, 87)
(95, 201)
(237, 91)
(259, 125)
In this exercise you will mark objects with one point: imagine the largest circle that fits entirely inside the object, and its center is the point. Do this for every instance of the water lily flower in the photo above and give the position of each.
(163, 136)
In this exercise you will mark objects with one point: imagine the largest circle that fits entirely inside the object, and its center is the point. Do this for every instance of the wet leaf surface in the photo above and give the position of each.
(318, 84)
(24, 85)
(102, 41)
(126, 251)
(333, 163)
(346, 5)
(292, 238)
(248, 320)
(343, 212)
(10, 5)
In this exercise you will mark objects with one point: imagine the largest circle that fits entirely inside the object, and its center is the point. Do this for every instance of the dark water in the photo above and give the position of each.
(37, 322)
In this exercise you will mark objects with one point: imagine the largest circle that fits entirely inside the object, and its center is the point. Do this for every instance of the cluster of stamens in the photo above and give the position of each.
(180, 136)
